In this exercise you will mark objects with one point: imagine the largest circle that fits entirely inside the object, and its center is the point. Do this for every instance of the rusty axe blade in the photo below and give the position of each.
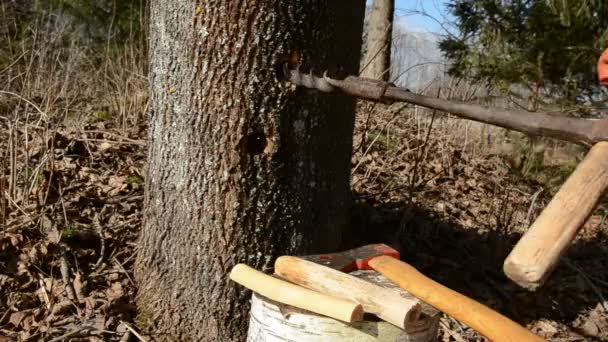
(353, 259)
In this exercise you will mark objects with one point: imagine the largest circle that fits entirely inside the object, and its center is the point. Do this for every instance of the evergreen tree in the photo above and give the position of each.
(550, 45)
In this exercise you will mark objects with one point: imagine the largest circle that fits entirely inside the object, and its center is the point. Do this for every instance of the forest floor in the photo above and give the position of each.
(72, 207)
(454, 201)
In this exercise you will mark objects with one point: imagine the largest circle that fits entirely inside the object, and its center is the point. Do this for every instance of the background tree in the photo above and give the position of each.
(105, 27)
(242, 166)
(376, 61)
(540, 44)
(103, 20)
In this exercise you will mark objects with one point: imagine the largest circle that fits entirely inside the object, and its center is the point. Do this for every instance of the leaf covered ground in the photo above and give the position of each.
(72, 207)
(72, 211)
(446, 193)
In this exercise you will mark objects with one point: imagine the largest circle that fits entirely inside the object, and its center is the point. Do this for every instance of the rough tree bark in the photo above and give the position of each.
(242, 167)
(376, 61)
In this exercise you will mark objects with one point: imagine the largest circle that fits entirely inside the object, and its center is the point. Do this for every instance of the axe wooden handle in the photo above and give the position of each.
(486, 321)
(537, 253)
(297, 296)
(385, 303)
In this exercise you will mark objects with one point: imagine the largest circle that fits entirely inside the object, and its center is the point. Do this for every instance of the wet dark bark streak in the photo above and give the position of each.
(241, 168)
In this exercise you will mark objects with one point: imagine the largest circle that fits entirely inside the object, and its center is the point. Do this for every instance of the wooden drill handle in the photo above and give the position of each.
(486, 321)
(297, 296)
(537, 253)
(387, 304)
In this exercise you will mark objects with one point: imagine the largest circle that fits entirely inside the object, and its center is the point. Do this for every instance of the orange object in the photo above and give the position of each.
(486, 321)
(602, 68)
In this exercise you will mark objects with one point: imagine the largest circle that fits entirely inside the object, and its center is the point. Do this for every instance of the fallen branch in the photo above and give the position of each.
(580, 131)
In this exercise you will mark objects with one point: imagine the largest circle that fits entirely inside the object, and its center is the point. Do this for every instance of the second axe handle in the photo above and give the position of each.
(538, 252)
(387, 304)
(484, 320)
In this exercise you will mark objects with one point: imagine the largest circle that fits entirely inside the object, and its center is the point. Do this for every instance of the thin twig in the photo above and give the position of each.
(45, 294)
(12, 183)
(414, 177)
(121, 267)
(126, 336)
(369, 62)
(72, 333)
(372, 144)
(15, 61)
(451, 332)
(18, 207)
(42, 113)
(52, 168)
(3, 201)
(370, 111)
(570, 264)
(134, 332)
(126, 142)
(4, 315)
(531, 208)
(102, 241)
(65, 276)
(115, 135)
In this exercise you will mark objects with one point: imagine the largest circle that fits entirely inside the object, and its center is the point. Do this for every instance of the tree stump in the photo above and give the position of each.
(273, 321)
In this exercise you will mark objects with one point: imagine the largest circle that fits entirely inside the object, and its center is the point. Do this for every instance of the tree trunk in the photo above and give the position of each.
(377, 53)
(242, 167)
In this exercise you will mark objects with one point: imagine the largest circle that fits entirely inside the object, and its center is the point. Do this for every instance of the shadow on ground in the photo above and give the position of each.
(470, 262)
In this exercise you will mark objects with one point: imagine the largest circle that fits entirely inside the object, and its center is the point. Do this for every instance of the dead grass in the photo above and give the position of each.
(72, 138)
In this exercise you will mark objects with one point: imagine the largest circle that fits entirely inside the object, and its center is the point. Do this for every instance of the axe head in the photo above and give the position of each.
(353, 259)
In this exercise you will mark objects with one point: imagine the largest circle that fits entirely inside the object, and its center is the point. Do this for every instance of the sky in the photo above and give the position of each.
(418, 25)
(408, 11)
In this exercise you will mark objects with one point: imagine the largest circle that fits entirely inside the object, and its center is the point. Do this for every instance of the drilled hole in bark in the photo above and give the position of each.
(256, 142)
(291, 61)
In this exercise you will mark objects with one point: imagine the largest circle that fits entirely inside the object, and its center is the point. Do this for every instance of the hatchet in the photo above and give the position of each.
(320, 273)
